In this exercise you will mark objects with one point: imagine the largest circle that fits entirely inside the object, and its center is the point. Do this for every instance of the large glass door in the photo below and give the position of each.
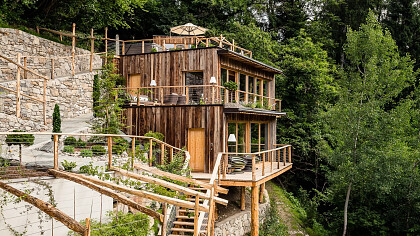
(246, 136)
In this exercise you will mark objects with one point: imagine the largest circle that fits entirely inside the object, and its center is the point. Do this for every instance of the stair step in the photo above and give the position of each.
(185, 230)
(186, 211)
(185, 223)
(185, 217)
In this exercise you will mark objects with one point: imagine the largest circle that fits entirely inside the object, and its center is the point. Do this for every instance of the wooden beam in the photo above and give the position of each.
(166, 184)
(92, 48)
(106, 45)
(196, 214)
(254, 211)
(44, 103)
(47, 208)
(73, 49)
(22, 67)
(262, 188)
(87, 232)
(140, 193)
(165, 221)
(179, 178)
(124, 200)
(109, 152)
(55, 151)
(243, 198)
(18, 88)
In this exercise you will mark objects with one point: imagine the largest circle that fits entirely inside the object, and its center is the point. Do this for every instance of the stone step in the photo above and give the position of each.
(186, 223)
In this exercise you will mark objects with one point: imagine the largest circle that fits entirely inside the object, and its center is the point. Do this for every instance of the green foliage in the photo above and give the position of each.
(56, 119)
(121, 224)
(108, 110)
(20, 139)
(156, 135)
(86, 153)
(70, 141)
(98, 150)
(68, 149)
(80, 143)
(273, 224)
(231, 85)
(68, 165)
(96, 93)
(370, 147)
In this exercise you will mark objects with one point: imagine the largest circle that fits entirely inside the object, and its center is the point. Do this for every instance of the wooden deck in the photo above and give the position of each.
(245, 178)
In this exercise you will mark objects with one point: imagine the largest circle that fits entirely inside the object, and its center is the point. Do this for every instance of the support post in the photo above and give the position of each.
(162, 153)
(150, 151)
(73, 49)
(271, 160)
(196, 214)
(133, 148)
(262, 188)
(254, 211)
(187, 95)
(109, 152)
(117, 44)
(142, 46)
(55, 151)
(171, 157)
(18, 87)
(290, 154)
(224, 166)
(44, 98)
(278, 159)
(92, 48)
(263, 164)
(220, 42)
(253, 169)
(106, 45)
(165, 220)
(87, 233)
(163, 46)
(242, 198)
(212, 94)
(123, 48)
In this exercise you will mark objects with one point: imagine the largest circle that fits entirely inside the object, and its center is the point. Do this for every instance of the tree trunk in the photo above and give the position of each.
(47, 208)
(346, 204)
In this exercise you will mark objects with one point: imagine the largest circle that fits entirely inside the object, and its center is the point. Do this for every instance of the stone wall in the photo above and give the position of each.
(240, 224)
(72, 93)
(39, 52)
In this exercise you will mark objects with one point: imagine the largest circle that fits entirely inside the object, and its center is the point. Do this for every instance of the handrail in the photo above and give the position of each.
(260, 152)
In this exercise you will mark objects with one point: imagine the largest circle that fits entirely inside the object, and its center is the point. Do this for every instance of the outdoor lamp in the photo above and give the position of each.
(153, 83)
(232, 138)
(213, 80)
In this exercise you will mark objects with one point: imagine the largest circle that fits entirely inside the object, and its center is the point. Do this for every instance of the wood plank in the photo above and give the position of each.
(254, 211)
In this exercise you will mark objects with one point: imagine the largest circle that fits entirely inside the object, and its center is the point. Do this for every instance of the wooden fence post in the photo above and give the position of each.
(109, 152)
(263, 164)
(87, 233)
(262, 187)
(253, 169)
(171, 157)
(18, 87)
(44, 98)
(106, 45)
(165, 221)
(150, 152)
(290, 154)
(196, 214)
(123, 48)
(133, 148)
(52, 68)
(162, 153)
(73, 49)
(142, 46)
(254, 211)
(284, 156)
(92, 48)
(55, 151)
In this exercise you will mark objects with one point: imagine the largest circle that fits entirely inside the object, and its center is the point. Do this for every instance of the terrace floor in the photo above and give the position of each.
(245, 178)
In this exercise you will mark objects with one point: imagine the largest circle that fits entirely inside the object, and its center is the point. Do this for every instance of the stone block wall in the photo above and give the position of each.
(39, 52)
(240, 224)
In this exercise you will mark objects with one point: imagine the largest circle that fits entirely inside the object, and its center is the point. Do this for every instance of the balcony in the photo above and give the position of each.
(250, 169)
(197, 95)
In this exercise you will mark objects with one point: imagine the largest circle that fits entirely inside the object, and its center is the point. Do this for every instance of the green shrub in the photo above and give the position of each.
(68, 165)
(70, 141)
(97, 140)
(68, 149)
(98, 150)
(231, 85)
(80, 143)
(118, 149)
(56, 120)
(20, 139)
(86, 153)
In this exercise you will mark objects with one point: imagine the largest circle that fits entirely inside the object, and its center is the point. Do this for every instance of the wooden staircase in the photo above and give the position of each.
(184, 223)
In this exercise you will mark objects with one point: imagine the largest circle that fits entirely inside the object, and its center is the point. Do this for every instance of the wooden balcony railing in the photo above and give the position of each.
(195, 95)
(263, 163)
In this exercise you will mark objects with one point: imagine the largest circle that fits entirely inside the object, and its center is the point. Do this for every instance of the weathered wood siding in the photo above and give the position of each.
(174, 122)
(167, 67)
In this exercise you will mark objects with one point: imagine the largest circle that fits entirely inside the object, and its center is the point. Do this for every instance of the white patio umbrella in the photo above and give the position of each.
(188, 29)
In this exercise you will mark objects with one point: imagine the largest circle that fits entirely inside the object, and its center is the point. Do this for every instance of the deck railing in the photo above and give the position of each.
(268, 160)
(196, 95)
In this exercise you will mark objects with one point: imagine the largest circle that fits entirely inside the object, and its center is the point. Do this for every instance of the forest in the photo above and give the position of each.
(350, 87)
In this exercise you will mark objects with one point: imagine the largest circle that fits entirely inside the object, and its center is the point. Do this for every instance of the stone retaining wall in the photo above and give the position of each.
(240, 224)
(16, 41)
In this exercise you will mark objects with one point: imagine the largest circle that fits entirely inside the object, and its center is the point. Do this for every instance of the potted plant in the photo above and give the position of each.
(231, 86)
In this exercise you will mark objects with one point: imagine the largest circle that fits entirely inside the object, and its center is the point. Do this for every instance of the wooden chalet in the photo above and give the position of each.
(177, 89)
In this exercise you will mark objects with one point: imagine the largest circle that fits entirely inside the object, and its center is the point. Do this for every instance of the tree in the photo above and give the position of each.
(306, 88)
(56, 119)
(20, 139)
(369, 152)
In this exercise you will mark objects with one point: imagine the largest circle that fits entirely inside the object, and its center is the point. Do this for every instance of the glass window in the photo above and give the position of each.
(241, 137)
(194, 78)
(232, 76)
(242, 82)
(223, 74)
